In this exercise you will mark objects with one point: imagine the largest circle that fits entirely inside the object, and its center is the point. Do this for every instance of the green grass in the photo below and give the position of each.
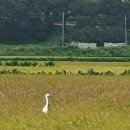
(77, 103)
(66, 51)
(65, 58)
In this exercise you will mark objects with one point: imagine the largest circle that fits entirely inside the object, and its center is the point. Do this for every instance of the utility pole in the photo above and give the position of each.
(64, 23)
(63, 28)
(125, 30)
(126, 41)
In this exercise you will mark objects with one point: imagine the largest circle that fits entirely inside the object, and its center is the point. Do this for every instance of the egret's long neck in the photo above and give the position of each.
(46, 101)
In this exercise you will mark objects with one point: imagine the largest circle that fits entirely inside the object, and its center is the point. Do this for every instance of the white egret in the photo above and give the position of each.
(45, 108)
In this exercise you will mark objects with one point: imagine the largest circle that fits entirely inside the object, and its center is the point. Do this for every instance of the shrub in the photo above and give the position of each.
(11, 63)
(1, 63)
(16, 63)
(50, 63)
(50, 73)
(92, 72)
(3, 71)
(109, 73)
(126, 72)
(58, 72)
(28, 63)
(63, 72)
(14, 71)
(81, 73)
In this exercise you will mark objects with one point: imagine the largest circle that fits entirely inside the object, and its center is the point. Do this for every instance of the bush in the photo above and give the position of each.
(28, 63)
(11, 63)
(50, 63)
(92, 72)
(81, 73)
(58, 72)
(16, 63)
(14, 71)
(109, 73)
(126, 72)
(63, 72)
(1, 63)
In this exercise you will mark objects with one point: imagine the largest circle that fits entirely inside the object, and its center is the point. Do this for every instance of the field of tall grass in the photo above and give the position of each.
(77, 102)
(73, 67)
(55, 50)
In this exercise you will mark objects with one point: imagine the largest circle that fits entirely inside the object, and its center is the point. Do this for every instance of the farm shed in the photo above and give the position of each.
(82, 45)
(109, 44)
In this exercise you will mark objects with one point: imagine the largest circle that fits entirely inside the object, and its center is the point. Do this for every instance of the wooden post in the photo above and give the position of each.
(125, 30)
(64, 23)
(63, 28)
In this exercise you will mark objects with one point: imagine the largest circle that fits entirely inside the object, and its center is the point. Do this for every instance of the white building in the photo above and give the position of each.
(82, 45)
(109, 44)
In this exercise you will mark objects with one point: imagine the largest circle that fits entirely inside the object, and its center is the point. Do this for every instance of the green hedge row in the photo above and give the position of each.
(66, 51)
(98, 59)
(25, 63)
(90, 72)
(16, 63)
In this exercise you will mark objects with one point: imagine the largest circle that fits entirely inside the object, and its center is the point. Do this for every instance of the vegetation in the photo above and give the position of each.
(66, 68)
(60, 52)
(90, 72)
(77, 102)
(31, 21)
(50, 63)
(98, 100)
(14, 71)
(14, 60)
(126, 72)
(16, 63)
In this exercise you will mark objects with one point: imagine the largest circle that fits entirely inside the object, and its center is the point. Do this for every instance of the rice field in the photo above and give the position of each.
(76, 102)
(74, 67)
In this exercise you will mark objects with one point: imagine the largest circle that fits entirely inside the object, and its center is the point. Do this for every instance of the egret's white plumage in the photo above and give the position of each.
(45, 108)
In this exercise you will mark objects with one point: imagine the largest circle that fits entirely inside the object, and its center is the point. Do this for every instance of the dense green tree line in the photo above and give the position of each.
(33, 20)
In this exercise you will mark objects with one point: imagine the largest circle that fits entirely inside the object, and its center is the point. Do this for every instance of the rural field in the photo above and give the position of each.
(64, 64)
(77, 102)
(73, 67)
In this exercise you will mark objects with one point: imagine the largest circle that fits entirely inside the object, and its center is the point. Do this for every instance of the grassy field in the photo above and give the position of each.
(77, 102)
(65, 51)
(74, 67)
